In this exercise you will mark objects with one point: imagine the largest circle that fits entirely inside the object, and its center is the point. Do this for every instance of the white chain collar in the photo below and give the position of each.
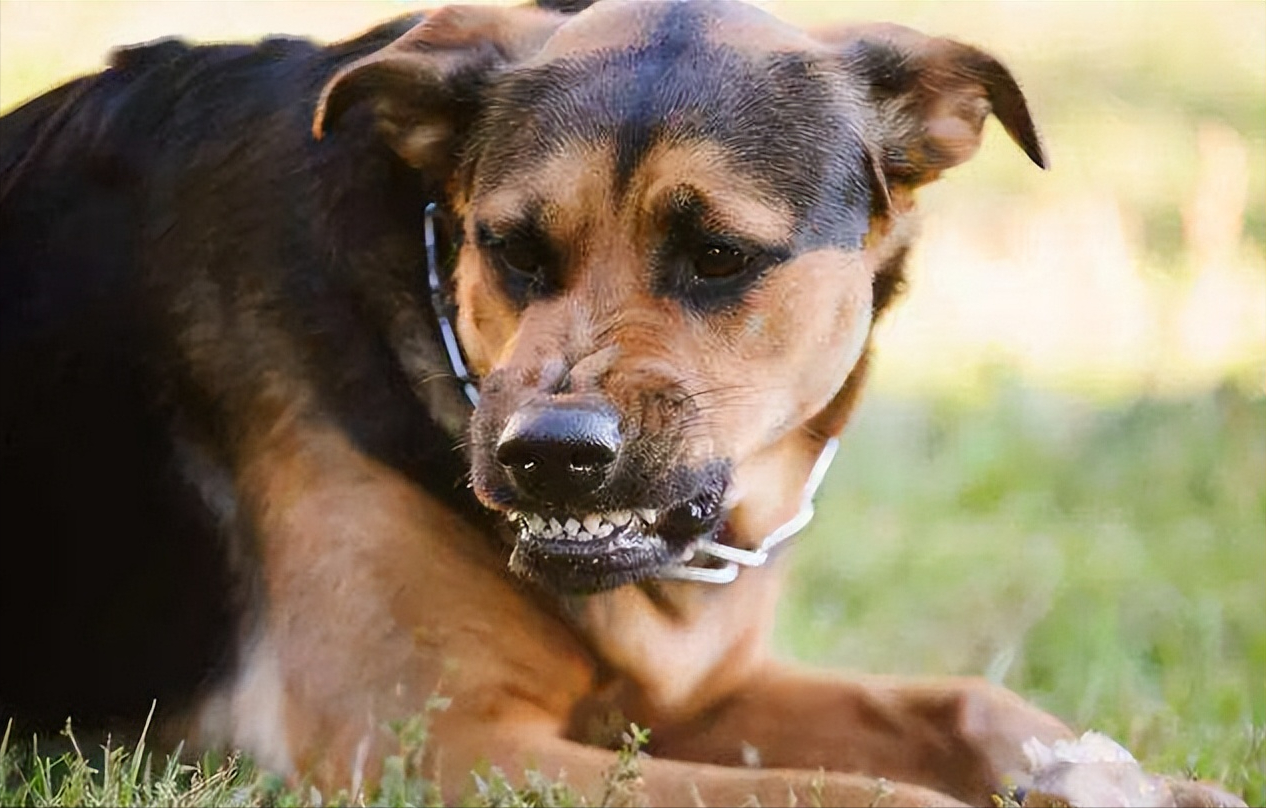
(440, 304)
(735, 557)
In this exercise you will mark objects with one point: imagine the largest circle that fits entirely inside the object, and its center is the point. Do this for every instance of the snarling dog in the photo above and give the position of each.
(492, 355)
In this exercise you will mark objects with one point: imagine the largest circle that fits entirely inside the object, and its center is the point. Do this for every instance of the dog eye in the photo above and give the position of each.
(721, 261)
(713, 272)
(514, 253)
(520, 256)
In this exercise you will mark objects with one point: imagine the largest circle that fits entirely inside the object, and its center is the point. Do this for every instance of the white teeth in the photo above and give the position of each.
(619, 518)
(585, 528)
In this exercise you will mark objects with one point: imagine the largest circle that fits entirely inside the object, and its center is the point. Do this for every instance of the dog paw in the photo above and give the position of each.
(1095, 770)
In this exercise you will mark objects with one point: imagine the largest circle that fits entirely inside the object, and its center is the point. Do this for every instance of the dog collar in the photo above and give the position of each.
(735, 557)
(443, 307)
(696, 566)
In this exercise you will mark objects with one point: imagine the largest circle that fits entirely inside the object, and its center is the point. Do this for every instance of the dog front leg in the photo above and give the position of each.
(963, 737)
(655, 781)
(359, 573)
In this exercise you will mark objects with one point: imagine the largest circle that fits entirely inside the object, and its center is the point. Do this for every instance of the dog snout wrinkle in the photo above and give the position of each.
(556, 452)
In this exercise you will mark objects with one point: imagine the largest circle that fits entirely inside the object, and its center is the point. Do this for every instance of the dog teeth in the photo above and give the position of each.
(619, 518)
(582, 528)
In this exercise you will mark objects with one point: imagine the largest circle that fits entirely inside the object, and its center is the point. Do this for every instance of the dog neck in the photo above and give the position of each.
(711, 637)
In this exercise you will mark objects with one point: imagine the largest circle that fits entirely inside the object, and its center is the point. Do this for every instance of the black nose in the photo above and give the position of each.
(560, 451)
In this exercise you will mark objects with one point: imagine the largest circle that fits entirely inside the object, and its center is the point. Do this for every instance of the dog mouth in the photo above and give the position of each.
(584, 553)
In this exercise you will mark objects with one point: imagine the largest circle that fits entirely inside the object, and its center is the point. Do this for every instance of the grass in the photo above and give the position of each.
(1059, 479)
(127, 777)
(1106, 562)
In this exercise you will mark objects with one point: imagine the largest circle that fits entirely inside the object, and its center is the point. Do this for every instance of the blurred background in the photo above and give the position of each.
(1058, 477)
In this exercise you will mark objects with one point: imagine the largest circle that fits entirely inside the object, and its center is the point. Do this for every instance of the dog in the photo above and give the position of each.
(492, 354)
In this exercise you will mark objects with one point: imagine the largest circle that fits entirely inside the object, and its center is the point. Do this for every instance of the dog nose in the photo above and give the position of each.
(559, 451)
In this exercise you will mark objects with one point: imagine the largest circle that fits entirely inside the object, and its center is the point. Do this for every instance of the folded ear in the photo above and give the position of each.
(426, 87)
(931, 97)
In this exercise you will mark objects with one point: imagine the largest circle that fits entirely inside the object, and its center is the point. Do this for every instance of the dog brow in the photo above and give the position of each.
(725, 211)
(702, 174)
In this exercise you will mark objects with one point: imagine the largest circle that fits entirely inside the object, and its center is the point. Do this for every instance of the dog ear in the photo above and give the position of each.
(931, 97)
(426, 87)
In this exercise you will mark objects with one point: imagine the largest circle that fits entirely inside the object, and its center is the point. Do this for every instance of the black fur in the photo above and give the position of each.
(171, 235)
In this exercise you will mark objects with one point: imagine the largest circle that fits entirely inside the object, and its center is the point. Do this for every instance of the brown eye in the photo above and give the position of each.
(513, 253)
(719, 261)
(519, 256)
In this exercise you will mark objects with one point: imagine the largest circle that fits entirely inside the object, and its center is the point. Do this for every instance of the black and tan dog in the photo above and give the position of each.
(241, 470)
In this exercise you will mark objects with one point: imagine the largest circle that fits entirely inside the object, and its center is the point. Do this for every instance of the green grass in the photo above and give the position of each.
(113, 775)
(1108, 563)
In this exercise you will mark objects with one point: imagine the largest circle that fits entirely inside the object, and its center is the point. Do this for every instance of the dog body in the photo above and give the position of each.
(228, 407)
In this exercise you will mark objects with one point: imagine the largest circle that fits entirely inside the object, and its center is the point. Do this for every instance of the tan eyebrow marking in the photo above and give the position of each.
(736, 203)
(580, 174)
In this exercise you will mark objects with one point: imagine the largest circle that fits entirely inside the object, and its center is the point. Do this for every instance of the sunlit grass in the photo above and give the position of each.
(135, 776)
(1106, 562)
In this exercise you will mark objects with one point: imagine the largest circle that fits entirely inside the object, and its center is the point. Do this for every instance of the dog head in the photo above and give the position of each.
(676, 223)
